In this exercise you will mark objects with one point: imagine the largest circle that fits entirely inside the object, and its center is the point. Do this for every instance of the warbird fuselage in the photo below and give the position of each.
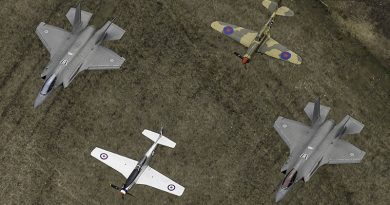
(139, 169)
(73, 52)
(260, 39)
(314, 146)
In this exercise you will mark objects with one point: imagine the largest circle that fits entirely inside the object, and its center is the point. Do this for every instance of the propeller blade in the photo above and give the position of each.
(115, 187)
(238, 55)
(130, 194)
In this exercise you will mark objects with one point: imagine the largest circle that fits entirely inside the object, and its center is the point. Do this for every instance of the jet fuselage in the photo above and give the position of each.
(66, 63)
(308, 158)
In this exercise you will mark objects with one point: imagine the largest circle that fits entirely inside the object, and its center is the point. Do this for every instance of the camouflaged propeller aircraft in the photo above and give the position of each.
(260, 42)
(73, 52)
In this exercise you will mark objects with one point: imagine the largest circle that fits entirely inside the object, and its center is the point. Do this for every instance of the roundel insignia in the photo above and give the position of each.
(228, 30)
(171, 187)
(103, 156)
(285, 55)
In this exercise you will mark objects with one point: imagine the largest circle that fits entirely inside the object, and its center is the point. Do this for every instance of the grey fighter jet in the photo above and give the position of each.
(75, 51)
(315, 145)
(140, 172)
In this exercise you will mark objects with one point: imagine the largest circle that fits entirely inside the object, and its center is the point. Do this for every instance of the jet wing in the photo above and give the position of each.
(344, 152)
(121, 164)
(292, 132)
(274, 49)
(154, 179)
(103, 58)
(52, 37)
(239, 34)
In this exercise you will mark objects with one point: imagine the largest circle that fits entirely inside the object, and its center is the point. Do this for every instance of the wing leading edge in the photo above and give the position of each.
(121, 164)
(239, 34)
(52, 37)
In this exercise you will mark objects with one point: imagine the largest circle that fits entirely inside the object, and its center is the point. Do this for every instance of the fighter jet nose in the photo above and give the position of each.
(123, 192)
(280, 195)
(39, 100)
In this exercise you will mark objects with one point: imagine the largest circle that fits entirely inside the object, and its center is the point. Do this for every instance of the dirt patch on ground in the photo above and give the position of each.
(368, 22)
(181, 73)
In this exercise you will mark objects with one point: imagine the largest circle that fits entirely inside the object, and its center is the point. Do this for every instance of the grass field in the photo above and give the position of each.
(182, 74)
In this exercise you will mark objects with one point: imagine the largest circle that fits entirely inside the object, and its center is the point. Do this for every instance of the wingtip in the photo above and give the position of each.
(215, 25)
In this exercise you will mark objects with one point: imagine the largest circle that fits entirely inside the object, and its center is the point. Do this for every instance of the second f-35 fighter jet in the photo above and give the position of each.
(75, 51)
(315, 145)
(260, 42)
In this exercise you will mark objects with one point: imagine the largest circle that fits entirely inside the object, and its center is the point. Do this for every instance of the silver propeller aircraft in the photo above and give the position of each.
(75, 51)
(315, 145)
(140, 172)
(260, 42)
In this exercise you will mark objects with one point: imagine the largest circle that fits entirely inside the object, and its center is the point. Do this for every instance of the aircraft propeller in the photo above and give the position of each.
(120, 189)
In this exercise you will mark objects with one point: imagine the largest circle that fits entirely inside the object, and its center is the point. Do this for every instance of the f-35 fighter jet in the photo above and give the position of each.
(260, 42)
(315, 145)
(140, 172)
(75, 51)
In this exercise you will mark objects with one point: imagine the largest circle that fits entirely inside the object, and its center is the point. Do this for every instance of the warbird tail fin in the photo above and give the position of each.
(316, 112)
(78, 18)
(274, 7)
(159, 138)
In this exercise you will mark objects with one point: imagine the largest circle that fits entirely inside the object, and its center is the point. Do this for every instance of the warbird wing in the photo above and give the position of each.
(239, 34)
(121, 164)
(155, 179)
(344, 152)
(274, 49)
(292, 132)
(103, 58)
(52, 37)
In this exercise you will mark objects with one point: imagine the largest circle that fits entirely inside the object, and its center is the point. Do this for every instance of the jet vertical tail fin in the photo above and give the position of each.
(159, 138)
(316, 111)
(78, 18)
(111, 32)
(274, 7)
(350, 126)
